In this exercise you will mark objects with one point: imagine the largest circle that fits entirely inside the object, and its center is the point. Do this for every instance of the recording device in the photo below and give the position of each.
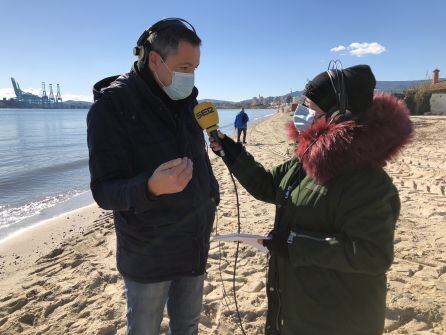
(207, 117)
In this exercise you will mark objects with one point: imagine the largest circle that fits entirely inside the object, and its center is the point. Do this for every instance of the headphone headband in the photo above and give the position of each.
(336, 75)
(143, 44)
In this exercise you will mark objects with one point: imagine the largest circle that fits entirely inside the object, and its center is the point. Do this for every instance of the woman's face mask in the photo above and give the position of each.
(303, 117)
(181, 86)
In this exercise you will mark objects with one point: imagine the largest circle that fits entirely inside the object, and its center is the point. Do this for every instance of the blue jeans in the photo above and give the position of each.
(145, 306)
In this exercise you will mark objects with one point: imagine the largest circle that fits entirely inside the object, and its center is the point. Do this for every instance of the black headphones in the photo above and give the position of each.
(335, 73)
(143, 46)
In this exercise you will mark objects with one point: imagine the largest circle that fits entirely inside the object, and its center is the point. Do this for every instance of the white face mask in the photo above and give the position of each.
(303, 117)
(181, 86)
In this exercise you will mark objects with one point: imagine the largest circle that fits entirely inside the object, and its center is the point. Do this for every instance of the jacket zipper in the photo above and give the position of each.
(329, 240)
(279, 300)
(279, 210)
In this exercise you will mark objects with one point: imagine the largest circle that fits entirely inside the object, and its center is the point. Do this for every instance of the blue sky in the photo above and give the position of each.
(249, 47)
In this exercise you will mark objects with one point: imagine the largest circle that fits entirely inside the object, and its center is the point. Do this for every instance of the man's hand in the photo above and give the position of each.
(171, 177)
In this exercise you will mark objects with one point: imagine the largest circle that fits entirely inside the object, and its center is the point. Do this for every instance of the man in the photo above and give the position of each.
(241, 123)
(148, 163)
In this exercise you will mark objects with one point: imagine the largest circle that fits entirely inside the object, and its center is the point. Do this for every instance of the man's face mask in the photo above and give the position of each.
(303, 117)
(181, 86)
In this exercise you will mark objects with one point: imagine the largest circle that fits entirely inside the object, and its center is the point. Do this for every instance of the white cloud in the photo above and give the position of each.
(338, 48)
(35, 91)
(77, 97)
(8, 93)
(361, 49)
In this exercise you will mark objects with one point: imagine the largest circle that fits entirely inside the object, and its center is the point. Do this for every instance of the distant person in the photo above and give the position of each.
(148, 164)
(241, 124)
(332, 241)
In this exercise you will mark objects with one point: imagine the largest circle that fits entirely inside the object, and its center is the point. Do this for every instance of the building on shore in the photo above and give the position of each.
(438, 97)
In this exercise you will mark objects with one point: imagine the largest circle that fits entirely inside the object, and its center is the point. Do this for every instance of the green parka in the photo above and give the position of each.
(339, 225)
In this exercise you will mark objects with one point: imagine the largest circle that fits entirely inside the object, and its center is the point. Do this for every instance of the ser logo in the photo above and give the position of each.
(204, 112)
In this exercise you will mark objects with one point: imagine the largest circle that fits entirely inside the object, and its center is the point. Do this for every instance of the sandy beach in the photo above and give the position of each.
(60, 277)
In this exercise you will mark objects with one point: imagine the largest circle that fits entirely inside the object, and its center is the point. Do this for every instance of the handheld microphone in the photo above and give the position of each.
(207, 117)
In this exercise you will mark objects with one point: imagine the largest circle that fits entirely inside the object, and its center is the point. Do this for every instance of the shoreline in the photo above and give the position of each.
(78, 201)
(36, 224)
(21, 249)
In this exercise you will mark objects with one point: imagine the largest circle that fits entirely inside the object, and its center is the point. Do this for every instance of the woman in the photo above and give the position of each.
(336, 207)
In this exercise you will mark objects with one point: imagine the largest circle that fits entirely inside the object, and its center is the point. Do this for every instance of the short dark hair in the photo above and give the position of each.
(166, 41)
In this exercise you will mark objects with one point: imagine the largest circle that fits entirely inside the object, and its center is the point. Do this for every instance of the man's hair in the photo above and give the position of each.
(165, 42)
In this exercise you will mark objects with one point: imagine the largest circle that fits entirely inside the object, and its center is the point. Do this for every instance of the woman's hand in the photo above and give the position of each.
(215, 145)
(232, 150)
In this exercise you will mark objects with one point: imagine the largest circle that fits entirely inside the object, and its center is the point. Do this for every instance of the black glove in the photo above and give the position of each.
(232, 149)
(277, 245)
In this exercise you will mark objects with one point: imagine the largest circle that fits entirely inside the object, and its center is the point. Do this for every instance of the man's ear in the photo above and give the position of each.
(152, 59)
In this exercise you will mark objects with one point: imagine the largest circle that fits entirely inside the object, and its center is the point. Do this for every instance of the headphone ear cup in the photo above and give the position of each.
(335, 117)
(347, 116)
(139, 52)
(136, 51)
(332, 111)
(338, 117)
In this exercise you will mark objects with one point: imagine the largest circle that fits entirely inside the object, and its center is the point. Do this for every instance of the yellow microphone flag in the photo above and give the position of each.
(207, 116)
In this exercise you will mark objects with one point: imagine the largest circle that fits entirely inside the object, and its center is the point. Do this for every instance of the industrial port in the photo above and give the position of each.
(46, 100)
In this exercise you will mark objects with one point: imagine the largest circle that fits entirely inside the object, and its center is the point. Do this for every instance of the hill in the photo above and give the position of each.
(384, 86)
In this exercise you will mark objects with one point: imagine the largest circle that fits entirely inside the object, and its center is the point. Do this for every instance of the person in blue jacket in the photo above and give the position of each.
(241, 124)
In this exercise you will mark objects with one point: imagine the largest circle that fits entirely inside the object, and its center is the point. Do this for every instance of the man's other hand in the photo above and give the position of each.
(171, 177)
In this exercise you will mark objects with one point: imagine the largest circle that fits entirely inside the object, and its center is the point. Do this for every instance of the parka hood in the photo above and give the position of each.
(328, 150)
(102, 84)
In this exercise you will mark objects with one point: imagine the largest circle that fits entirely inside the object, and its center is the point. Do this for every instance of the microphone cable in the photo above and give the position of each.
(225, 295)
(236, 255)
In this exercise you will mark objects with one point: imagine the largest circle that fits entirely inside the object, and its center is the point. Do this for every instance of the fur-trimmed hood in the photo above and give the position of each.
(328, 150)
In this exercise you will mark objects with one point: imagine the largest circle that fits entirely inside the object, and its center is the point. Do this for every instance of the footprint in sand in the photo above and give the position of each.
(16, 305)
(52, 307)
(27, 319)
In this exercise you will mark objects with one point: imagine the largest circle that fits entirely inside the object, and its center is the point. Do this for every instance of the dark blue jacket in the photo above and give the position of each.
(241, 120)
(131, 132)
